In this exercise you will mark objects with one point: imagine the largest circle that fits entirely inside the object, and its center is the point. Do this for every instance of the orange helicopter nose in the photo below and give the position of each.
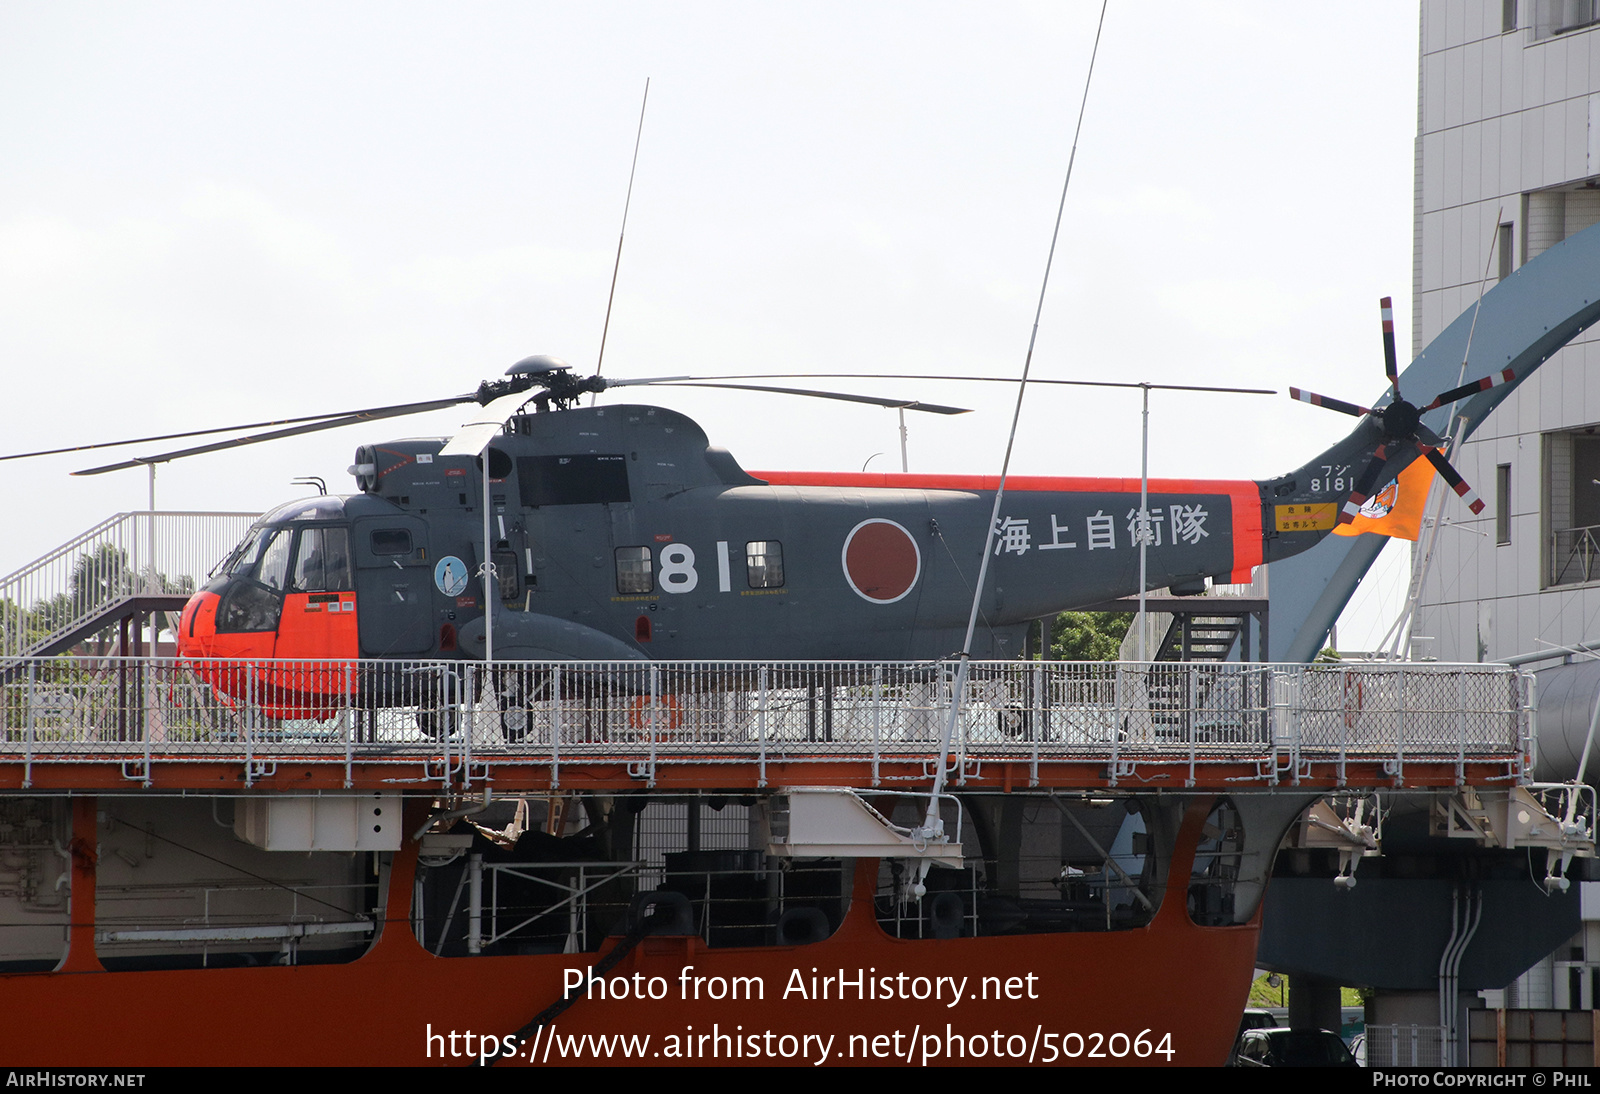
(198, 624)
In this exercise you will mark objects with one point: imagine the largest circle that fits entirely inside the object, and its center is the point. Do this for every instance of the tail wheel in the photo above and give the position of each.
(519, 695)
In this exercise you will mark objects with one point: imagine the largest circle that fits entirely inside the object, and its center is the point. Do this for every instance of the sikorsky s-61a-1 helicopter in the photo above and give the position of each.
(619, 533)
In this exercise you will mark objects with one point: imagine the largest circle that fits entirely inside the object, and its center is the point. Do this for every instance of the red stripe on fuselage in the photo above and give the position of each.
(1244, 496)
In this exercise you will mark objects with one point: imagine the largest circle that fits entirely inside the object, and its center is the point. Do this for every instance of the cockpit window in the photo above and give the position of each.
(322, 561)
(319, 508)
(273, 572)
(244, 554)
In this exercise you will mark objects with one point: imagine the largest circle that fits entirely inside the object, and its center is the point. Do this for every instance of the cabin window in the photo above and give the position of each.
(763, 559)
(391, 541)
(322, 563)
(506, 572)
(633, 570)
(274, 569)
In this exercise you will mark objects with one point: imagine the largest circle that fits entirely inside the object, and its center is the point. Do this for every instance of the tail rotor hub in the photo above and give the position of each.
(1400, 420)
(1401, 423)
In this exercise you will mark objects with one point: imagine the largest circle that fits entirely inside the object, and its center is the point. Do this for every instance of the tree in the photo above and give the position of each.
(100, 577)
(1088, 636)
(98, 580)
(21, 628)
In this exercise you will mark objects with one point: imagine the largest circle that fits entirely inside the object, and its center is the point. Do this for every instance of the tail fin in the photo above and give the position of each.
(1304, 506)
(1396, 509)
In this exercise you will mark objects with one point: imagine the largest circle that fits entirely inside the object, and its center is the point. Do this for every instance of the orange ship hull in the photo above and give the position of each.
(1169, 992)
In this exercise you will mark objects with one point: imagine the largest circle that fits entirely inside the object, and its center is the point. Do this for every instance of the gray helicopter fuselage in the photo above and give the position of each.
(619, 532)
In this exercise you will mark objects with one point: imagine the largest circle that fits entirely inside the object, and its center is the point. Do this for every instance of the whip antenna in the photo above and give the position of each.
(626, 202)
(933, 825)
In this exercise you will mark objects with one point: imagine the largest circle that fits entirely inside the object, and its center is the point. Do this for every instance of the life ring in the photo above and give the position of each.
(672, 712)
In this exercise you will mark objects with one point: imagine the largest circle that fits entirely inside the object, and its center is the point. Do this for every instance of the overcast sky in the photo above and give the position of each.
(213, 213)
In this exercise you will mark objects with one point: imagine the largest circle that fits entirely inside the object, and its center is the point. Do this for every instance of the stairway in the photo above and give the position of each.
(129, 565)
(1195, 640)
(1201, 637)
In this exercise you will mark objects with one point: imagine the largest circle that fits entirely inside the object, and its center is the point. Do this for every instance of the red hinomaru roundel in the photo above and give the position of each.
(881, 561)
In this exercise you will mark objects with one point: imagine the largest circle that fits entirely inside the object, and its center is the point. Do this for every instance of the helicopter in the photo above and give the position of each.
(619, 533)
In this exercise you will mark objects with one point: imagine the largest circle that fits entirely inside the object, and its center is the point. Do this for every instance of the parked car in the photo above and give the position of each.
(1291, 1048)
(1257, 1018)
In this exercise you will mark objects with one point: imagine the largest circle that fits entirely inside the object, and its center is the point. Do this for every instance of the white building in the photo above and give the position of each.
(1508, 163)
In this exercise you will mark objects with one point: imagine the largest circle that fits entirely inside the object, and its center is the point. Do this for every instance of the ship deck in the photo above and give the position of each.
(165, 725)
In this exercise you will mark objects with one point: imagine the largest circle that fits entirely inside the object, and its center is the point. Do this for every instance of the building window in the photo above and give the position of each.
(1560, 16)
(1508, 16)
(1502, 503)
(1554, 215)
(763, 559)
(1505, 248)
(633, 570)
(1572, 506)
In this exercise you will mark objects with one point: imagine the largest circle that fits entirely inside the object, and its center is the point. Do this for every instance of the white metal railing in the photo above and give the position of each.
(1279, 717)
(1405, 1046)
(1574, 555)
(129, 554)
(209, 916)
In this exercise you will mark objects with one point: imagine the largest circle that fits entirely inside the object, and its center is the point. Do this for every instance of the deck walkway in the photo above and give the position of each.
(172, 725)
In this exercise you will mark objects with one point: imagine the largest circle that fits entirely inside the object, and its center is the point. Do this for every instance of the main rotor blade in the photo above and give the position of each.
(1456, 482)
(355, 418)
(1326, 401)
(472, 438)
(964, 379)
(895, 404)
(1494, 379)
(1390, 368)
(402, 408)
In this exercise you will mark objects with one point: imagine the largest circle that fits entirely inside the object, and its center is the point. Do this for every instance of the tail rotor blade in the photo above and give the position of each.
(1391, 368)
(1326, 401)
(1364, 485)
(1457, 483)
(1494, 379)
